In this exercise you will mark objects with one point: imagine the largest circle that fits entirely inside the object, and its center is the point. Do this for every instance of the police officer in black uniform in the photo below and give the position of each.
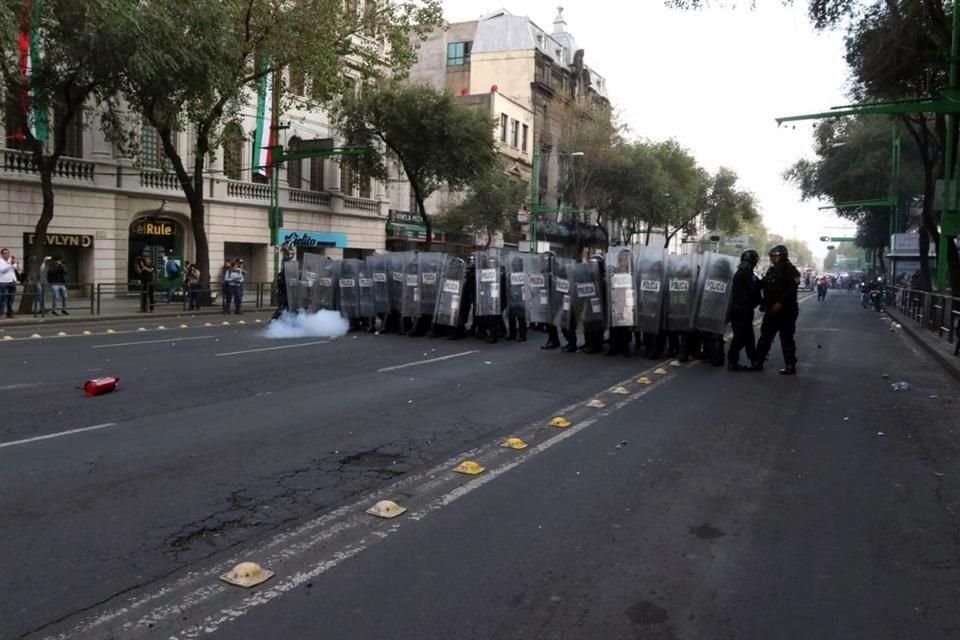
(780, 286)
(466, 301)
(746, 297)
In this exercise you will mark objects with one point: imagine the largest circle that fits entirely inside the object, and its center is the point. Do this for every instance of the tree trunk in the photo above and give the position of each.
(34, 253)
(427, 222)
(646, 242)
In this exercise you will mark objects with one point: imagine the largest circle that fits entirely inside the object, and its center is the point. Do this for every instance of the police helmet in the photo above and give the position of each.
(779, 250)
(751, 257)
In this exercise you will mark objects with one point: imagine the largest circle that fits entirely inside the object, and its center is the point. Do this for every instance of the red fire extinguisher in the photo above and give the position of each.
(100, 386)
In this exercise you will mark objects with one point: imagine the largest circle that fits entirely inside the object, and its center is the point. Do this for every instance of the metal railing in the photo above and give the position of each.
(933, 312)
(122, 298)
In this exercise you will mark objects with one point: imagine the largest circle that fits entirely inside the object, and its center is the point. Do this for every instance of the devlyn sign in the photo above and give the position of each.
(61, 240)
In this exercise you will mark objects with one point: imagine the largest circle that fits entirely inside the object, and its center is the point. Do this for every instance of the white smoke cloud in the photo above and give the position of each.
(322, 324)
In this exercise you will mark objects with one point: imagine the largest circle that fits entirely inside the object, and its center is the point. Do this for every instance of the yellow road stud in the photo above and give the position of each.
(141, 328)
(184, 326)
(386, 509)
(225, 322)
(62, 333)
(514, 443)
(597, 404)
(246, 575)
(8, 337)
(620, 391)
(110, 331)
(258, 321)
(208, 324)
(87, 332)
(241, 322)
(560, 422)
(676, 363)
(469, 467)
(660, 371)
(160, 326)
(644, 380)
(36, 335)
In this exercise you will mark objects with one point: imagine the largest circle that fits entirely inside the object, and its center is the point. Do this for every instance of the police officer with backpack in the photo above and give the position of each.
(746, 297)
(780, 286)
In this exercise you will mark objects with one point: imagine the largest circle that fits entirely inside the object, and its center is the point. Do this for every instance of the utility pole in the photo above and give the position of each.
(948, 220)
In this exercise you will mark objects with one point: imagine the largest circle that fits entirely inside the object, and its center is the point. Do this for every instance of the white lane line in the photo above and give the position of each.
(420, 362)
(130, 344)
(286, 346)
(57, 435)
(25, 385)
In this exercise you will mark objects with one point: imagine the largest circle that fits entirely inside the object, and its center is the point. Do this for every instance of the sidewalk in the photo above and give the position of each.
(938, 348)
(128, 308)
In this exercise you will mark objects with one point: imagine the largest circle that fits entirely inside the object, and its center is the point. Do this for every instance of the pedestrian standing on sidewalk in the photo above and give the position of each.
(233, 283)
(9, 277)
(191, 282)
(144, 269)
(57, 278)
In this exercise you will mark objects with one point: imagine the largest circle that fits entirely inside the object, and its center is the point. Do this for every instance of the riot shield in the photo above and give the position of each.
(517, 265)
(561, 295)
(309, 276)
(715, 291)
(588, 295)
(379, 269)
(327, 284)
(539, 286)
(488, 283)
(681, 292)
(431, 268)
(365, 284)
(291, 277)
(621, 293)
(410, 307)
(397, 264)
(650, 273)
(448, 298)
(349, 288)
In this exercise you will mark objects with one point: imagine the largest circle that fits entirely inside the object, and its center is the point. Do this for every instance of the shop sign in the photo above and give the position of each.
(404, 217)
(312, 238)
(61, 240)
(156, 227)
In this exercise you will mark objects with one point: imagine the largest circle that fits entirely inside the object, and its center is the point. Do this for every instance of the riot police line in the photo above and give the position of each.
(673, 305)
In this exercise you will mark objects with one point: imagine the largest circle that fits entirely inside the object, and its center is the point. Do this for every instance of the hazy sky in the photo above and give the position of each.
(714, 80)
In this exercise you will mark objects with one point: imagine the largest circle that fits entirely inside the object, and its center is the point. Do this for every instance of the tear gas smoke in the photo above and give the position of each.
(322, 324)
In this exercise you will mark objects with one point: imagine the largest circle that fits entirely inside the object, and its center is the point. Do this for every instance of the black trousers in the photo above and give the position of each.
(783, 323)
(146, 297)
(743, 337)
(620, 339)
(517, 324)
(553, 337)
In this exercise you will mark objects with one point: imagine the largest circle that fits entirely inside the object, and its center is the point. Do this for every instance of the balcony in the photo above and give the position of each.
(248, 191)
(365, 205)
(316, 198)
(19, 162)
(159, 181)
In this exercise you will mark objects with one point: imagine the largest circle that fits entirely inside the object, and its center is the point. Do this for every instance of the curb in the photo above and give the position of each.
(933, 347)
(75, 319)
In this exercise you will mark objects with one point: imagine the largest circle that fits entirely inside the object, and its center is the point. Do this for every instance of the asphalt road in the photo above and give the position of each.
(701, 505)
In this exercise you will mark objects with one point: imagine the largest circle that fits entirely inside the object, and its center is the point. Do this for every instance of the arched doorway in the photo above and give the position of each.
(161, 238)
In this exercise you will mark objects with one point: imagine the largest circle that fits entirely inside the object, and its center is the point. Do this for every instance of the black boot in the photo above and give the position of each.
(789, 370)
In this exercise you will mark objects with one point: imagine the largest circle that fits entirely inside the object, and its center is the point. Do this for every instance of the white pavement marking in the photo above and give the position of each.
(286, 346)
(130, 344)
(419, 362)
(57, 435)
(321, 532)
(25, 385)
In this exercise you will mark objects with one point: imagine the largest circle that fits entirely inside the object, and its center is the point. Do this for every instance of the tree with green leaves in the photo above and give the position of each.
(854, 163)
(67, 72)
(436, 140)
(490, 206)
(194, 66)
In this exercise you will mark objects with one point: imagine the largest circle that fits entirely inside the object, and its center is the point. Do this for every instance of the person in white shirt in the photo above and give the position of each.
(9, 268)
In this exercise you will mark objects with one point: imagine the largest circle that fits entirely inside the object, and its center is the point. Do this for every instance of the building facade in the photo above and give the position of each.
(111, 208)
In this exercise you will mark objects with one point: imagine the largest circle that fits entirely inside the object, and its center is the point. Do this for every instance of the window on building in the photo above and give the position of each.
(503, 127)
(458, 53)
(523, 139)
(317, 167)
(73, 132)
(151, 150)
(348, 178)
(363, 185)
(297, 80)
(514, 134)
(232, 150)
(294, 167)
